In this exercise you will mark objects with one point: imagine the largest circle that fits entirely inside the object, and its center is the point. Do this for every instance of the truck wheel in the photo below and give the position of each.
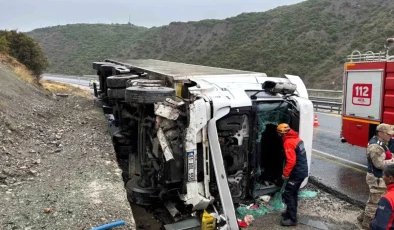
(144, 82)
(97, 65)
(148, 95)
(116, 93)
(140, 195)
(119, 81)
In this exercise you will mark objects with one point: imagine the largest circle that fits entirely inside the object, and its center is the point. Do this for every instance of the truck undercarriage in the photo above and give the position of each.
(190, 150)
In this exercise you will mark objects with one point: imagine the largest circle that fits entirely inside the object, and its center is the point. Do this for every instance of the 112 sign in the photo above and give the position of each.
(362, 94)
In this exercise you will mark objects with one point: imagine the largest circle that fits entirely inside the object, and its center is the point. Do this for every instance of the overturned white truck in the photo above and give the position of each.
(200, 138)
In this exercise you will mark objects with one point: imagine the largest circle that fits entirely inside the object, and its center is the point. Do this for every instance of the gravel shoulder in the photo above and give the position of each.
(58, 169)
(325, 208)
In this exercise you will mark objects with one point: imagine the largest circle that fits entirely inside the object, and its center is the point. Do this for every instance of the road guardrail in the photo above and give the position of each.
(326, 100)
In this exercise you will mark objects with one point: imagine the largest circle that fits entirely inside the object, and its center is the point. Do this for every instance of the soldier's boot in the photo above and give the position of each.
(365, 226)
(360, 217)
(366, 221)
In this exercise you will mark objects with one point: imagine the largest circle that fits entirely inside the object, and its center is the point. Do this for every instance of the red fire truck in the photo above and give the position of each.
(368, 94)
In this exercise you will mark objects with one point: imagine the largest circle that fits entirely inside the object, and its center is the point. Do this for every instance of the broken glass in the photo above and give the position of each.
(271, 113)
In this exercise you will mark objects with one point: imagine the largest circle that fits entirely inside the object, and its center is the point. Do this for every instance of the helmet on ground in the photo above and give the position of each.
(283, 128)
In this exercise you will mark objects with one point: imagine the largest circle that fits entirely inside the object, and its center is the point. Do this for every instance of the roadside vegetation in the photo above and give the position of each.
(24, 49)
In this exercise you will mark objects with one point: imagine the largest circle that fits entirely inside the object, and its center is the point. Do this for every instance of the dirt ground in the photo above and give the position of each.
(334, 213)
(57, 164)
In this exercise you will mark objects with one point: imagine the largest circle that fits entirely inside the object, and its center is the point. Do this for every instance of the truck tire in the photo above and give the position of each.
(119, 69)
(119, 81)
(116, 93)
(97, 65)
(148, 95)
(144, 82)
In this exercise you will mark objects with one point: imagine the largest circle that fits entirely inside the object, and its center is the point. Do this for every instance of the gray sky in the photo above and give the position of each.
(25, 15)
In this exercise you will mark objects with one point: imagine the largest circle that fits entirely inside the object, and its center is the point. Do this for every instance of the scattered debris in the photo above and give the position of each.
(248, 219)
(167, 151)
(166, 111)
(307, 194)
(62, 95)
(33, 172)
(266, 205)
(265, 198)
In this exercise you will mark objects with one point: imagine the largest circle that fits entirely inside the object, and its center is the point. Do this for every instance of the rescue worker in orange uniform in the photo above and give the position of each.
(384, 216)
(296, 170)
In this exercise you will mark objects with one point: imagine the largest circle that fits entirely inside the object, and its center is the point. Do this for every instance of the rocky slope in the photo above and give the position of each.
(57, 165)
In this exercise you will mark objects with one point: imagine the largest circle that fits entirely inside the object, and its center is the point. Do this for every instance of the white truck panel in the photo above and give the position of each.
(306, 129)
(301, 88)
(182, 71)
(363, 96)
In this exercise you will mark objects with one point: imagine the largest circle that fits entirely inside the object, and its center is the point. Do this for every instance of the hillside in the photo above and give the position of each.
(72, 48)
(310, 39)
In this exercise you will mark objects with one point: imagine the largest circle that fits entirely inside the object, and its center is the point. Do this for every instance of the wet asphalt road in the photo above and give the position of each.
(338, 166)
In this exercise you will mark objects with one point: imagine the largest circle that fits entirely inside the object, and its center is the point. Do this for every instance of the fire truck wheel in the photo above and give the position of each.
(148, 95)
(119, 81)
(116, 93)
(144, 82)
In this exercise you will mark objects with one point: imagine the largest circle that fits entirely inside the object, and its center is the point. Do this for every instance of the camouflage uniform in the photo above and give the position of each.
(376, 155)
(391, 145)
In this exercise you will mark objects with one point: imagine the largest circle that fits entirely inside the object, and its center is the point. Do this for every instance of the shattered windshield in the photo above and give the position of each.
(271, 112)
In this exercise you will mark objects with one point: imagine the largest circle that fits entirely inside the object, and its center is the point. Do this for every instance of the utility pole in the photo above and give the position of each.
(129, 20)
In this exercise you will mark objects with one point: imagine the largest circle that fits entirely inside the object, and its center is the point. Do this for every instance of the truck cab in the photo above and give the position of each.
(202, 138)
